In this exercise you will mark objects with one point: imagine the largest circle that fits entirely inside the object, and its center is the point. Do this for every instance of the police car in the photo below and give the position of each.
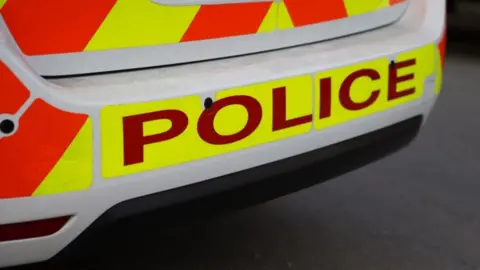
(122, 106)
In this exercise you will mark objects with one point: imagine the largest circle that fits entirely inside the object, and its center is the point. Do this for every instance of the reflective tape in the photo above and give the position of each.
(13, 94)
(373, 87)
(130, 132)
(49, 151)
(146, 136)
(133, 23)
(439, 72)
(59, 26)
(355, 7)
(226, 20)
(442, 46)
(306, 12)
(296, 13)
(54, 26)
(74, 169)
(440, 63)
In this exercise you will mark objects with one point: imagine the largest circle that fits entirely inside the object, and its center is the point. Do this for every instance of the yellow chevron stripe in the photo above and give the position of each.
(358, 7)
(2, 3)
(270, 20)
(284, 19)
(74, 171)
(439, 72)
(136, 23)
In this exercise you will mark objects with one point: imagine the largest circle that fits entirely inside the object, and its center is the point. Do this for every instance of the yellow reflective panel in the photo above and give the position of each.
(136, 23)
(356, 7)
(74, 171)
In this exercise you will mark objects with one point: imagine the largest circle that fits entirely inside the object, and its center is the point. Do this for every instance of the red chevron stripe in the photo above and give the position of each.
(442, 46)
(226, 20)
(394, 2)
(13, 93)
(306, 12)
(28, 156)
(54, 26)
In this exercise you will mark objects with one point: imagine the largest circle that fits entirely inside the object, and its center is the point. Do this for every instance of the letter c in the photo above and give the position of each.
(345, 97)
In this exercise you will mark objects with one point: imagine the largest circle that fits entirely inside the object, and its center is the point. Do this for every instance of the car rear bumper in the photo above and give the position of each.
(250, 187)
(422, 25)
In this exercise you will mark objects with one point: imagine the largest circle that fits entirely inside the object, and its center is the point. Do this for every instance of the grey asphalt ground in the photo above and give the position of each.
(418, 209)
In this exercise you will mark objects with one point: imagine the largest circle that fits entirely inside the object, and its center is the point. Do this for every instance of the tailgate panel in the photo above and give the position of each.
(107, 35)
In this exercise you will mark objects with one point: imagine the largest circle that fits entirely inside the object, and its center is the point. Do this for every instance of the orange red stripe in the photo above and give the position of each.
(43, 135)
(442, 46)
(54, 26)
(226, 20)
(306, 12)
(13, 94)
(394, 2)
(60, 26)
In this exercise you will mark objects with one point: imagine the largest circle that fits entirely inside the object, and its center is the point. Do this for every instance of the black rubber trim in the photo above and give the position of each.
(246, 188)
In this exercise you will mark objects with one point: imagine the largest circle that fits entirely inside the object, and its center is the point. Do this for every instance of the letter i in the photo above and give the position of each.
(325, 96)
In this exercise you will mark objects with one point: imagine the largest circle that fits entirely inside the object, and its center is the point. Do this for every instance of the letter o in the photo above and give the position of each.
(206, 129)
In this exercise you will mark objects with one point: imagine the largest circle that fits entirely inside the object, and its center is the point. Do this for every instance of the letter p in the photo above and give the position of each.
(134, 139)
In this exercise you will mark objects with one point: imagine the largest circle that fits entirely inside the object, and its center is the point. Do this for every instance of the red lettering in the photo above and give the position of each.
(325, 98)
(280, 121)
(134, 139)
(206, 129)
(394, 80)
(345, 97)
